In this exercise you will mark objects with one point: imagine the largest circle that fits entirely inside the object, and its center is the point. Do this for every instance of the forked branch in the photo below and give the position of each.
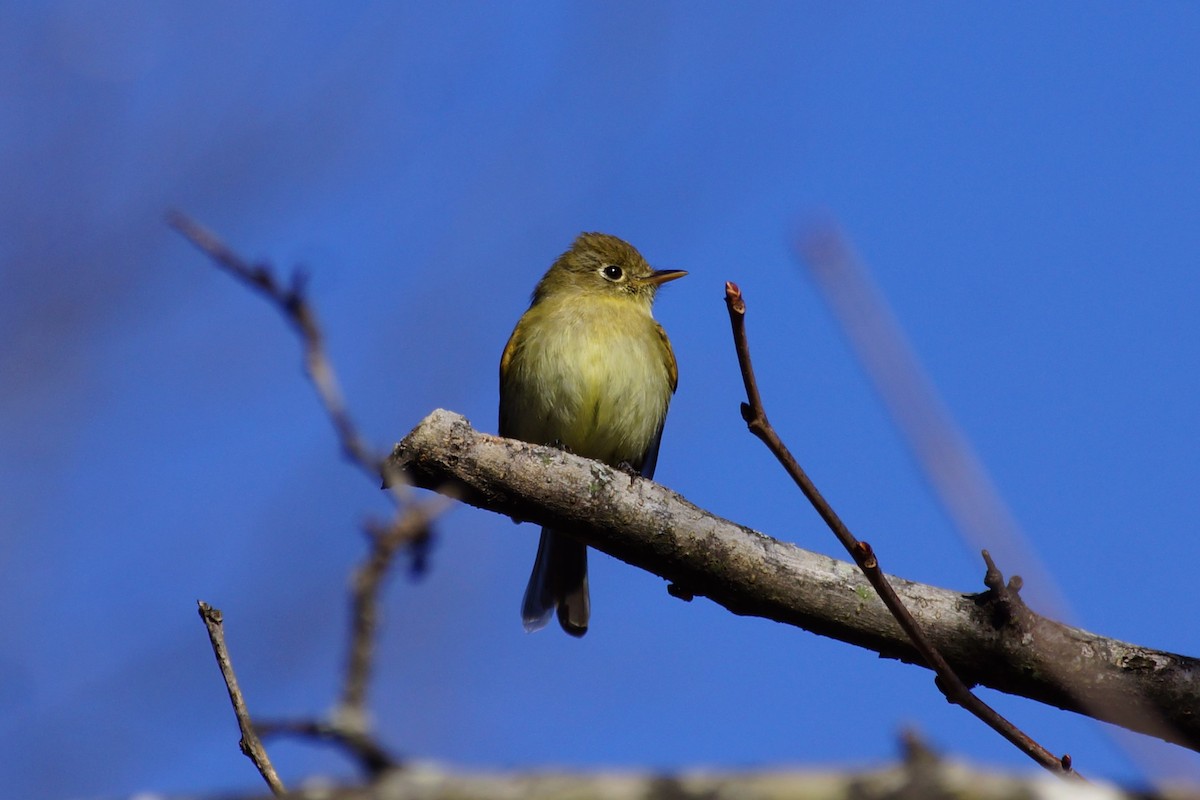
(947, 681)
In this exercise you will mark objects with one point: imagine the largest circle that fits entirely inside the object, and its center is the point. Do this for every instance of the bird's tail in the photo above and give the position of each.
(558, 581)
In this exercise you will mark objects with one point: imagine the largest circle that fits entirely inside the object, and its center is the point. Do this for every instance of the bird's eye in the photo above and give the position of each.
(613, 272)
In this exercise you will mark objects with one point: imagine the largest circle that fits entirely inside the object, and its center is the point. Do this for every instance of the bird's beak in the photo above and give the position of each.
(661, 276)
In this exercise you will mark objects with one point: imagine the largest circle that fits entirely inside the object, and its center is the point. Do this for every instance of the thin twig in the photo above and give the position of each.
(944, 453)
(958, 477)
(947, 681)
(409, 529)
(290, 300)
(250, 744)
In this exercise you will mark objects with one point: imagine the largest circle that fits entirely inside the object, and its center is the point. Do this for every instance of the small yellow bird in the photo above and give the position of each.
(589, 370)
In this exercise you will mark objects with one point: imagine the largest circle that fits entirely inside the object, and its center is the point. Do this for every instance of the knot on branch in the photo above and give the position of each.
(1003, 600)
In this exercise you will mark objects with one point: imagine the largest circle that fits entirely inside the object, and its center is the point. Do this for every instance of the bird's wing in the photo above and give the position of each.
(650, 460)
(672, 367)
(505, 362)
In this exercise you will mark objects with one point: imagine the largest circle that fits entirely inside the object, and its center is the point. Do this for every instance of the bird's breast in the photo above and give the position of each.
(596, 381)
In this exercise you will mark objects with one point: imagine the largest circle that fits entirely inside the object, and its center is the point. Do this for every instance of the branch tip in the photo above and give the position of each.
(249, 743)
(733, 298)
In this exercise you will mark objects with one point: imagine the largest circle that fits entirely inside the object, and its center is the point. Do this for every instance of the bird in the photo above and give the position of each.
(587, 369)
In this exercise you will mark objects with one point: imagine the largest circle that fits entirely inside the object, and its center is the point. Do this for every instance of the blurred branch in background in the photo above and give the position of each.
(290, 300)
(921, 775)
(943, 453)
(410, 531)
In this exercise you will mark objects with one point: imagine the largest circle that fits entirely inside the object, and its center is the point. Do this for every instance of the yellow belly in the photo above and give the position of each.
(597, 381)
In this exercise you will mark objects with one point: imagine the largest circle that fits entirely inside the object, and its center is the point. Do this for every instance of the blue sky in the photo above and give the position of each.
(1023, 181)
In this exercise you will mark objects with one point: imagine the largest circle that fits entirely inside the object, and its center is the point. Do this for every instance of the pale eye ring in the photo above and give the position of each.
(612, 272)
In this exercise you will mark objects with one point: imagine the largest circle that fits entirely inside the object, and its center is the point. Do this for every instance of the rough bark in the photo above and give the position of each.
(651, 527)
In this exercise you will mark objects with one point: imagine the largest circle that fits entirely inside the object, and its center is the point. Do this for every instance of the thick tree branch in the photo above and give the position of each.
(651, 527)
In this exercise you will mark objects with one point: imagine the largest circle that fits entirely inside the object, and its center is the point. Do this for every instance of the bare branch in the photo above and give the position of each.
(946, 458)
(410, 528)
(290, 300)
(651, 527)
(250, 744)
(944, 453)
(947, 680)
